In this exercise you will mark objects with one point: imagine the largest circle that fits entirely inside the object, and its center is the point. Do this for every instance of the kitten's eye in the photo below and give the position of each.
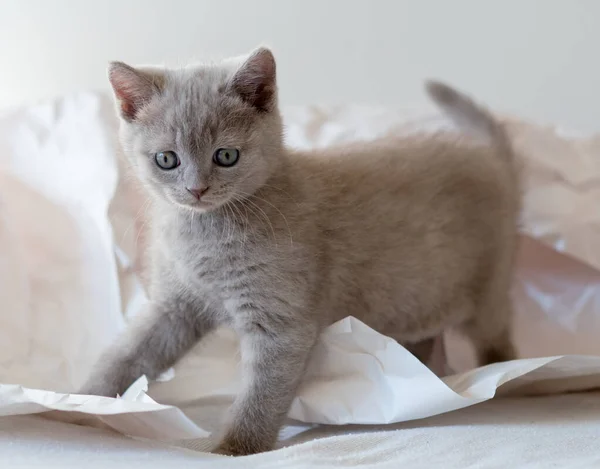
(226, 157)
(167, 160)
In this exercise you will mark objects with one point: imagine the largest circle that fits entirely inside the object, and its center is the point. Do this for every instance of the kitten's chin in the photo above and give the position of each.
(195, 206)
(200, 207)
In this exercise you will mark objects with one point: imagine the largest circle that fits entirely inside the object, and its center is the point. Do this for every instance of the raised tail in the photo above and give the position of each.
(470, 116)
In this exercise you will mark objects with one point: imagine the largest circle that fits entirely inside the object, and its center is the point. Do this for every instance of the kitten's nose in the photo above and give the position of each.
(197, 192)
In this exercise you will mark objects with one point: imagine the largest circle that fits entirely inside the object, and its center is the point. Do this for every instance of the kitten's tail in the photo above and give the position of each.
(470, 116)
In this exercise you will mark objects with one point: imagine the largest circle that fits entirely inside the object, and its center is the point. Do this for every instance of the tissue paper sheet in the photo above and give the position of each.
(72, 226)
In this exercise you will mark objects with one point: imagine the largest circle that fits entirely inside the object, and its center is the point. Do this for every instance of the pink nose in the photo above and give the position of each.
(197, 192)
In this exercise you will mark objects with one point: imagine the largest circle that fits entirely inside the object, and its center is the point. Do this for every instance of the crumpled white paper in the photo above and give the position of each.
(356, 376)
(72, 225)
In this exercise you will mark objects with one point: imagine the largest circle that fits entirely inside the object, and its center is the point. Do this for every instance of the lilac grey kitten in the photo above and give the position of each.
(410, 235)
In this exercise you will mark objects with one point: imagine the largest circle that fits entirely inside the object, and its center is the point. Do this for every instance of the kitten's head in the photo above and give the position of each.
(201, 137)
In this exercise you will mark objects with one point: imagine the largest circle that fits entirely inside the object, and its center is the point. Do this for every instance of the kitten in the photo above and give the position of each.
(409, 235)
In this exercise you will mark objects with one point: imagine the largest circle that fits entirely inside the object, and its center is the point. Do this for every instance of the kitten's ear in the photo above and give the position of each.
(255, 80)
(133, 87)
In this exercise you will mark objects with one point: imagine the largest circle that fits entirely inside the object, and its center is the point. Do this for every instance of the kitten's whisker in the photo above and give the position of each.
(249, 196)
(227, 218)
(242, 224)
(224, 222)
(135, 243)
(247, 223)
(144, 207)
(231, 225)
(281, 213)
(260, 217)
(281, 190)
(266, 217)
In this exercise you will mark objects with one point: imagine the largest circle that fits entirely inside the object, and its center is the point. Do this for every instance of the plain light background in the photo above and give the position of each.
(538, 59)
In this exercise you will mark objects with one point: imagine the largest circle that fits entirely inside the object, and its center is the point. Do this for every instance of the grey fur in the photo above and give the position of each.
(409, 235)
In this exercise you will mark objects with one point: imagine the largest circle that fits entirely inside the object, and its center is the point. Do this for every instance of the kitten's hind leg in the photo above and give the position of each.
(490, 331)
(153, 343)
(422, 349)
(432, 353)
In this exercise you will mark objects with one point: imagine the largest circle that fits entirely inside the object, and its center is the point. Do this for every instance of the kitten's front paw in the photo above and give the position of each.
(227, 450)
(99, 388)
(241, 447)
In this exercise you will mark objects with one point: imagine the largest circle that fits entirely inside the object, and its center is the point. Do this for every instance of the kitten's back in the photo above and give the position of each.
(413, 223)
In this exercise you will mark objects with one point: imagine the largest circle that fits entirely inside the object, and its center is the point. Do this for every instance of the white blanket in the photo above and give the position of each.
(68, 279)
(532, 433)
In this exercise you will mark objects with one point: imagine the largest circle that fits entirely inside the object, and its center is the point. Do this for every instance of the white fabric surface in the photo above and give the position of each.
(68, 277)
(527, 433)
